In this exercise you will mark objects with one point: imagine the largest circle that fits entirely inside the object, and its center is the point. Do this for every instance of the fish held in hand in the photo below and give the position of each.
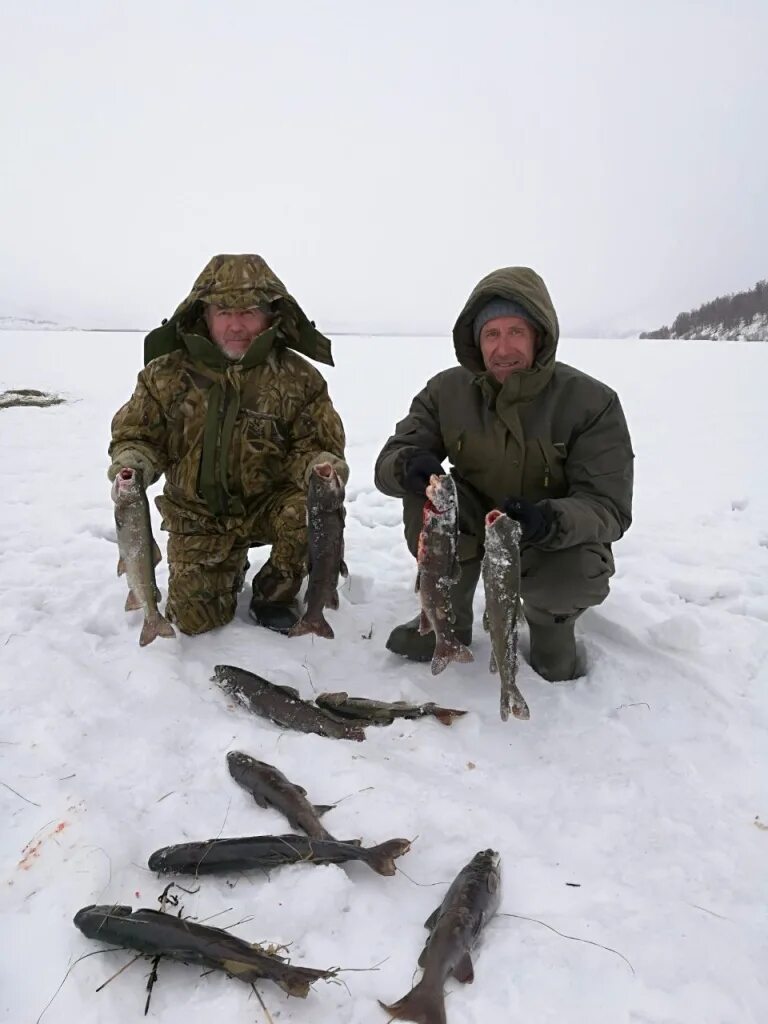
(454, 928)
(157, 934)
(270, 788)
(325, 542)
(501, 578)
(438, 568)
(283, 705)
(138, 553)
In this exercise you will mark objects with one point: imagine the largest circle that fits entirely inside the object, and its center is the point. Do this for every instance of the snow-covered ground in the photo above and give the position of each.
(631, 811)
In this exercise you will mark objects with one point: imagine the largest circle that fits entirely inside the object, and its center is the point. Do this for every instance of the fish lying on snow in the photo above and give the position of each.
(159, 934)
(437, 570)
(218, 856)
(139, 553)
(501, 578)
(270, 788)
(454, 928)
(380, 712)
(325, 542)
(283, 705)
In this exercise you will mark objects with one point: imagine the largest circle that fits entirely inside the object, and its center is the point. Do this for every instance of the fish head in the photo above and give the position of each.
(325, 487)
(94, 912)
(489, 863)
(237, 759)
(441, 492)
(127, 486)
(501, 532)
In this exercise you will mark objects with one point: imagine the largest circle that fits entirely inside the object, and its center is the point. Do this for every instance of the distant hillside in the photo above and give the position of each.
(742, 316)
(28, 323)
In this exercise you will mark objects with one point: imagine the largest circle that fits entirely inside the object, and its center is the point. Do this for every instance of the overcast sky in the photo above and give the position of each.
(383, 156)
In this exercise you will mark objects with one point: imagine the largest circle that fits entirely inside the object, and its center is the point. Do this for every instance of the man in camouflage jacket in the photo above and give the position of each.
(529, 435)
(236, 419)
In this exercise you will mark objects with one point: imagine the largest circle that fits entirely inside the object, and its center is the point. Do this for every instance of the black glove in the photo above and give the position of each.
(418, 469)
(535, 520)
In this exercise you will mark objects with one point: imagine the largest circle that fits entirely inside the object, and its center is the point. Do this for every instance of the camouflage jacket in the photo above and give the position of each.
(226, 433)
(550, 434)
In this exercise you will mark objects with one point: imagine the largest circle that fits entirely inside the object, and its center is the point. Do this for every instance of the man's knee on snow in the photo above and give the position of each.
(195, 617)
(568, 581)
(200, 599)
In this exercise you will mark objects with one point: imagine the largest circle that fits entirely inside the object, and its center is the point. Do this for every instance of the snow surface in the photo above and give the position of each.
(631, 810)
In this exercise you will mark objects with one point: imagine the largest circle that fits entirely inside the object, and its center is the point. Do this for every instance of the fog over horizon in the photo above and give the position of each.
(383, 159)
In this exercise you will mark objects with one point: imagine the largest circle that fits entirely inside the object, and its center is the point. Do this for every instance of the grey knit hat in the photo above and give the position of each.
(500, 307)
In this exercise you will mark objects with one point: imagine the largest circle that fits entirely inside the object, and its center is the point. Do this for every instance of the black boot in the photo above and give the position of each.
(273, 604)
(274, 616)
(554, 654)
(408, 642)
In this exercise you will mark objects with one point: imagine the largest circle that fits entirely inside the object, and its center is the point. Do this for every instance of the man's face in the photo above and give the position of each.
(233, 330)
(508, 345)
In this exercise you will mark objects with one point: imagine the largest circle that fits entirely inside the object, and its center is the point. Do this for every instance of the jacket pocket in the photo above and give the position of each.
(544, 475)
(263, 451)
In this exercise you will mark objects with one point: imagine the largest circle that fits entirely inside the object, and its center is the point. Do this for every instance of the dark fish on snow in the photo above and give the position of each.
(270, 788)
(454, 928)
(283, 705)
(218, 856)
(158, 934)
(380, 712)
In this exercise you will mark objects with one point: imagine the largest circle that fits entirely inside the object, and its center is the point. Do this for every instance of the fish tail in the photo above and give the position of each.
(296, 980)
(318, 625)
(521, 710)
(154, 626)
(447, 715)
(382, 857)
(424, 1004)
(295, 987)
(448, 649)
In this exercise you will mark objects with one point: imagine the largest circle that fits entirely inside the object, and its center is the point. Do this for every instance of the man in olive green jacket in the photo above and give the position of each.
(532, 436)
(236, 419)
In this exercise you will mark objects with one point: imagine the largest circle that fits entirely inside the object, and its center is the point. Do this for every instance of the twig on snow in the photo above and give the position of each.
(267, 1014)
(20, 795)
(118, 973)
(574, 938)
(71, 967)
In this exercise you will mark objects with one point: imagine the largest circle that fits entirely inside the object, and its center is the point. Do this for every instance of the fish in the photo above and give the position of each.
(270, 788)
(501, 578)
(437, 569)
(138, 553)
(157, 934)
(219, 856)
(380, 712)
(283, 704)
(454, 928)
(325, 540)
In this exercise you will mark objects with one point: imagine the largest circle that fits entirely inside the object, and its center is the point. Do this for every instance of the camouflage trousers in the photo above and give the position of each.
(556, 586)
(207, 567)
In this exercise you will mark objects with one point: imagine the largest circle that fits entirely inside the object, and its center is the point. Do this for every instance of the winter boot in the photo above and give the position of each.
(407, 641)
(273, 604)
(554, 653)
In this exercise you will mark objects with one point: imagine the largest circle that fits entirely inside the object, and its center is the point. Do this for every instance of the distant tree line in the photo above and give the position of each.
(744, 314)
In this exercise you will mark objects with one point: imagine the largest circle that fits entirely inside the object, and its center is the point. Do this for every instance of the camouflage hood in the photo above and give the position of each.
(517, 284)
(242, 281)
